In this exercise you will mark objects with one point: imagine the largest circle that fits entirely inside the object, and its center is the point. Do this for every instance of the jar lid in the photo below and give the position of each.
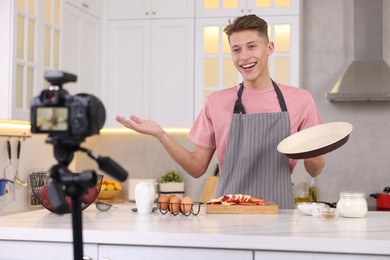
(352, 194)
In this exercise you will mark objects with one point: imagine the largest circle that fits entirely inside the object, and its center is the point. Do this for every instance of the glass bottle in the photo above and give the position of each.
(313, 190)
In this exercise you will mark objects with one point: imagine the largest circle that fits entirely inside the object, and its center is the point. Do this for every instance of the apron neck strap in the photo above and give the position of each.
(239, 107)
(282, 103)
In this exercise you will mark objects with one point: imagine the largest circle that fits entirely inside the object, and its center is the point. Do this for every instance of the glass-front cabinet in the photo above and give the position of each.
(32, 33)
(214, 69)
(223, 8)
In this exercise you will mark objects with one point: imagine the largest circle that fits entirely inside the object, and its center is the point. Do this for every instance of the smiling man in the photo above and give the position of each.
(245, 123)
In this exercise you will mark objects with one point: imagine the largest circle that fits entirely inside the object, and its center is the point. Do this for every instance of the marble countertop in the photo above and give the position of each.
(286, 231)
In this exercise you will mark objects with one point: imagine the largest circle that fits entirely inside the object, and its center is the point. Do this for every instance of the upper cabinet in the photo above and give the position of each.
(154, 9)
(150, 63)
(82, 46)
(233, 8)
(92, 7)
(31, 33)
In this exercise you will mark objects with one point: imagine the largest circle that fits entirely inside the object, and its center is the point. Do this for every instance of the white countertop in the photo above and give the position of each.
(286, 231)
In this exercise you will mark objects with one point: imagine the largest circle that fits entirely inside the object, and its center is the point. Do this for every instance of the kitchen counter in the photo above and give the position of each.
(287, 231)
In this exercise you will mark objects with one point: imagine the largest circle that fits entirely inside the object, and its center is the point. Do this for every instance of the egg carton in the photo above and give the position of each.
(175, 209)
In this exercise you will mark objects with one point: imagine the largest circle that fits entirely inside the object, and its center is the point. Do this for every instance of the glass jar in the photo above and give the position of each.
(352, 205)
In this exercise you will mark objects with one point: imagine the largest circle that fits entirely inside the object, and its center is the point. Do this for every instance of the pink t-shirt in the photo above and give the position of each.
(211, 128)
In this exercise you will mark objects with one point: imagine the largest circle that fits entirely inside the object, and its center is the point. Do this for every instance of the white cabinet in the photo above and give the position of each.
(166, 253)
(140, 9)
(29, 250)
(233, 8)
(150, 70)
(92, 7)
(31, 33)
(82, 50)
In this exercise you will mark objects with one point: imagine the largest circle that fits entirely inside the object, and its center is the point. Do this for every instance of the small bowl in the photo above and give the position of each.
(306, 208)
(108, 194)
(328, 213)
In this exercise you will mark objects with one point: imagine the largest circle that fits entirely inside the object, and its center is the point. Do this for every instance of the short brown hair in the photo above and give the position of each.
(247, 22)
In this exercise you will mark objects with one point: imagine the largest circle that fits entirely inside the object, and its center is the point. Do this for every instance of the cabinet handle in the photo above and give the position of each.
(153, 13)
(146, 13)
(242, 10)
(85, 5)
(249, 10)
(87, 257)
(106, 258)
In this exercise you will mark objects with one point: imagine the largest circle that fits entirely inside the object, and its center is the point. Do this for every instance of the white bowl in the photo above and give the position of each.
(307, 208)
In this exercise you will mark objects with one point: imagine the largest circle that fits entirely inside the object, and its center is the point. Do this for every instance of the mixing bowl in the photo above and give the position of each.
(39, 188)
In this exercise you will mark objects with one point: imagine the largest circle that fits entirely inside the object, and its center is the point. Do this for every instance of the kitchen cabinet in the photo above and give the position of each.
(150, 70)
(32, 250)
(31, 33)
(92, 7)
(82, 46)
(168, 253)
(233, 8)
(141, 9)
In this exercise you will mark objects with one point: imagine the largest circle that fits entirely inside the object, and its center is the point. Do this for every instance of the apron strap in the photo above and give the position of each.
(238, 106)
(282, 103)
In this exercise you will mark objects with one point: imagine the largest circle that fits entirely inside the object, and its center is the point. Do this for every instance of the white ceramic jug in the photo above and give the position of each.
(144, 197)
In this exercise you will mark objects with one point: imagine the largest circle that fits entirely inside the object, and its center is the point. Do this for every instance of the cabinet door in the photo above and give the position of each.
(82, 50)
(141, 9)
(165, 253)
(172, 68)
(92, 7)
(28, 250)
(129, 72)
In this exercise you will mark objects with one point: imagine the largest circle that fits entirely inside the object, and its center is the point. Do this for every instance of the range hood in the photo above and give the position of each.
(368, 77)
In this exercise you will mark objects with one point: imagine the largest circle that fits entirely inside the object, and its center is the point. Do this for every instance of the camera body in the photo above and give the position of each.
(60, 114)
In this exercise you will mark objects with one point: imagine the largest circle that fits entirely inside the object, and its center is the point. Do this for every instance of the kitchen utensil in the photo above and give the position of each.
(382, 199)
(315, 141)
(104, 206)
(17, 179)
(41, 193)
(9, 170)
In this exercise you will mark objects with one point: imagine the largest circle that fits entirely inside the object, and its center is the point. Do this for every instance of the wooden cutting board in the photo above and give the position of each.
(267, 208)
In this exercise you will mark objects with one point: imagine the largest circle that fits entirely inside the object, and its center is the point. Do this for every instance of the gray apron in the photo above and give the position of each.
(252, 164)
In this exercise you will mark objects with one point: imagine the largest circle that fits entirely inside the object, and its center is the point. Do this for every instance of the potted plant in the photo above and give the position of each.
(172, 183)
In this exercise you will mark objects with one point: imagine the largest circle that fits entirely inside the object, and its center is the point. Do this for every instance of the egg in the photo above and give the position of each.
(186, 204)
(174, 205)
(163, 201)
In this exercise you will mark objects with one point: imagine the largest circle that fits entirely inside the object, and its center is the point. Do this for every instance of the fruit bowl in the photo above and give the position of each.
(39, 188)
(108, 194)
(109, 190)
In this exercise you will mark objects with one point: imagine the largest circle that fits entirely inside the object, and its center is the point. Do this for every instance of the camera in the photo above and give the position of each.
(62, 115)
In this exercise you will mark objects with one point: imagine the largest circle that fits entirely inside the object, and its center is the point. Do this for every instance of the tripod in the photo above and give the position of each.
(64, 182)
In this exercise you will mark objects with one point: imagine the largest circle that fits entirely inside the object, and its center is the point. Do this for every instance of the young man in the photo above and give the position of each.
(245, 123)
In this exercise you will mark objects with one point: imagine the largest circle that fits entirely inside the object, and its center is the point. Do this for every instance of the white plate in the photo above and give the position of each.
(315, 141)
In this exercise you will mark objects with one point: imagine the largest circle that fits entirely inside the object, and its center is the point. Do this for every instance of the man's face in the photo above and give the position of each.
(250, 53)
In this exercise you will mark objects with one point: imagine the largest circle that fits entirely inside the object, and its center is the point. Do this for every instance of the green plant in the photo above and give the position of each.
(171, 176)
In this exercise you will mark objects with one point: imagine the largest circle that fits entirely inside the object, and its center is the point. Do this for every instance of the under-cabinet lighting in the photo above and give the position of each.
(128, 131)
